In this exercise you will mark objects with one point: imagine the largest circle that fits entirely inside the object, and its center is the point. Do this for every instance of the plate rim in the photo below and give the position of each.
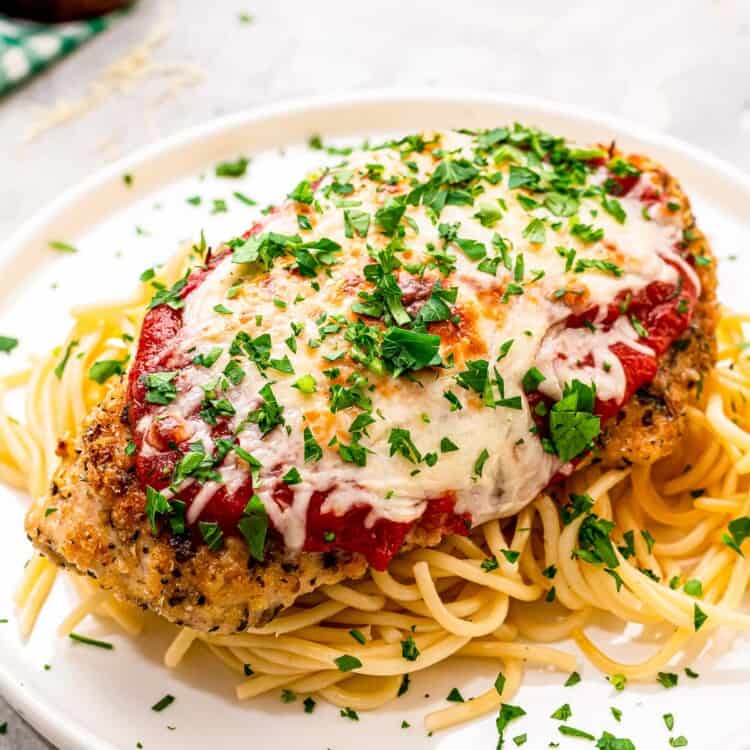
(29, 702)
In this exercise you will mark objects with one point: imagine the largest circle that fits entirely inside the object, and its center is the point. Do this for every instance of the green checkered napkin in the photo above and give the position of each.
(27, 48)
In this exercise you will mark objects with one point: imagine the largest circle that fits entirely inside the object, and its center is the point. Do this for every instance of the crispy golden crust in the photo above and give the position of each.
(100, 528)
(648, 427)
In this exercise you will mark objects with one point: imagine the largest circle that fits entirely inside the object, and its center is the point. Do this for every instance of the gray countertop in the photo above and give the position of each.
(680, 67)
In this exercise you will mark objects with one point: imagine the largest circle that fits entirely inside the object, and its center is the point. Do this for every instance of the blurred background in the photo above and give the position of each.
(679, 66)
(75, 96)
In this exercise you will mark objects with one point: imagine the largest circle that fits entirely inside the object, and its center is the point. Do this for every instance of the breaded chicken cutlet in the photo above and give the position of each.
(416, 341)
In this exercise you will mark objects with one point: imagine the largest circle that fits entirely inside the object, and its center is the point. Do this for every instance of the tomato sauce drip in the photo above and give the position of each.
(655, 307)
(379, 543)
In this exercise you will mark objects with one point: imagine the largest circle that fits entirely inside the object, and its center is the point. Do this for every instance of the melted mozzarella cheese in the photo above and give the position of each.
(517, 467)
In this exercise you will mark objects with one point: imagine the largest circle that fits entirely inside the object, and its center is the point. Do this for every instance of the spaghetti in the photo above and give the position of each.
(500, 595)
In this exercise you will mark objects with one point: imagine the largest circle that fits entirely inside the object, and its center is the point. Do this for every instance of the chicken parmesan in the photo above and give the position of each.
(417, 340)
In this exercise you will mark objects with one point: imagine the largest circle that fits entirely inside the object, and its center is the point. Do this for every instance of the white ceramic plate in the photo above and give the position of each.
(98, 700)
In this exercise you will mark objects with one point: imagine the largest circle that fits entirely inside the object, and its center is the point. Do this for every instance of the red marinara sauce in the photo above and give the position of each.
(663, 310)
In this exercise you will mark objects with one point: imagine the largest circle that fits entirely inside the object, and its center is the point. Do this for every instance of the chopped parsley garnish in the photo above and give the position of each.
(500, 683)
(574, 679)
(404, 686)
(609, 742)
(209, 358)
(489, 564)
(573, 732)
(305, 384)
(532, 379)
(522, 177)
(160, 388)
(511, 555)
(409, 649)
(358, 636)
(473, 249)
(638, 327)
(650, 541)
(595, 544)
(667, 679)
(315, 142)
(156, 505)
(447, 445)
(389, 216)
(254, 526)
(63, 247)
(404, 350)
(212, 534)
(507, 714)
(313, 451)
(160, 705)
(400, 441)
(480, 462)
(356, 222)
(269, 414)
(561, 204)
(384, 301)
(341, 397)
(60, 368)
(573, 426)
(244, 198)
(578, 505)
(454, 171)
(170, 296)
(349, 713)
(104, 369)
(563, 713)
(693, 587)
(699, 617)
(234, 372)
(587, 233)
(236, 168)
(488, 214)
(195, 463)
(309, 704)
(585, 264)
(614, 208)
(702, 260)
(8, 344)
(535, 232)
(347, 663)
(453, 400)
(91, 641)
(292, 476)
(739, 530)
(455, 696)
(475, 377)
(436, 308)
